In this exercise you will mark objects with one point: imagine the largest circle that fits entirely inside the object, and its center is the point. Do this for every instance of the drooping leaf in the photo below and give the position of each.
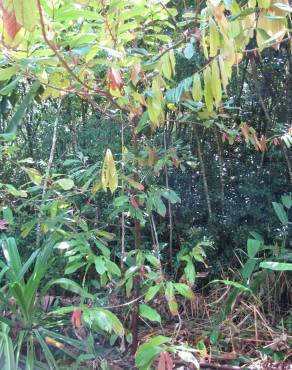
(276, 266)
(280, 211)
(149, 313)
(15, 121)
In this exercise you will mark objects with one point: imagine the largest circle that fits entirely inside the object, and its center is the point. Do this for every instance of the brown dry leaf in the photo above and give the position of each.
(263, 144)
(115, 78)
(245, 130)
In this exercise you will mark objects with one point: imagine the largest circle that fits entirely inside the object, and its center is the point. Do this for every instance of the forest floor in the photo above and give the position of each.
(246, 339)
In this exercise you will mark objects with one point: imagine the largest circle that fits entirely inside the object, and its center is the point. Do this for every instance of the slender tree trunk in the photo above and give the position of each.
(47, 174)
(169, 207)
(204, 175)
(137, 231)
(221, 168)
(289, 166)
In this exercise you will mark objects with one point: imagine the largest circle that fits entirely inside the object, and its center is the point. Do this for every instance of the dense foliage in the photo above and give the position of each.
(145, 190)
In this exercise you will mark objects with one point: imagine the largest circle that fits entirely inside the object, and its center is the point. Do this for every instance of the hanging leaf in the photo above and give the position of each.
(171, 300)
(216, 83)
(152, 291)
(115, 78)
(166, 66)
(224, 75)
(109, 176)
(149, 313)
(15, 15)
(134, 183)
(214, 38)
(15, 121)
(280, 211)
(208, 89)
(197, 92)
(276, 266)
(184, 290)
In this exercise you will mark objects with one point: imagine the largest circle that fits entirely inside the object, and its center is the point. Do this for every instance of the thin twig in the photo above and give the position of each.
(47, 174)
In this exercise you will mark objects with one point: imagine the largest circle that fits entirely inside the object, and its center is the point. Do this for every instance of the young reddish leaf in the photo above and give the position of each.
(3, 225)
(76, 318)
(168, 361)
(134, 203)
(161, 363)
(10, 24)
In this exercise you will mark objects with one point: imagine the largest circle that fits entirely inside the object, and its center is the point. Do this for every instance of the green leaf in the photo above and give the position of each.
(160, 206)
(190, 272)
(153, 260)
(113, 268)
(68, 285)
(46, 350)
(197, 92)
(72, 267)
(34, 175)
(7, 73)
(287, 201)
(171, 196)
(8, 215)
(100, 265)
(119, 201)
(147, 352)
(208, 89)
(189, 51)
(253, 247)
(280, 211)
(248, 268)
(149, 313)
(232, 283)
(15, 121)
(10, 87)
(276, 266)
(184, 290)
(66, 183)
(152, 291)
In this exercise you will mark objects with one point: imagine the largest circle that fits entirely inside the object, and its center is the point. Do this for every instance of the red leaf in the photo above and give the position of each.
(161, 363)
(10, 24)
(76, 318)
(3, 225)
(168, 361)
(134, 203)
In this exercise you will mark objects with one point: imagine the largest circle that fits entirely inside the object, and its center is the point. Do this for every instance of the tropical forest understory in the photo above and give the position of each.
(145, 184)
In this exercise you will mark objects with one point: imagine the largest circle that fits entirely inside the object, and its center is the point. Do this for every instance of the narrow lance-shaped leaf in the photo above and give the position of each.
(216, 83)
(224, 76)
(197, 92)
(15, 121)
(214, 38)
(208, 89)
